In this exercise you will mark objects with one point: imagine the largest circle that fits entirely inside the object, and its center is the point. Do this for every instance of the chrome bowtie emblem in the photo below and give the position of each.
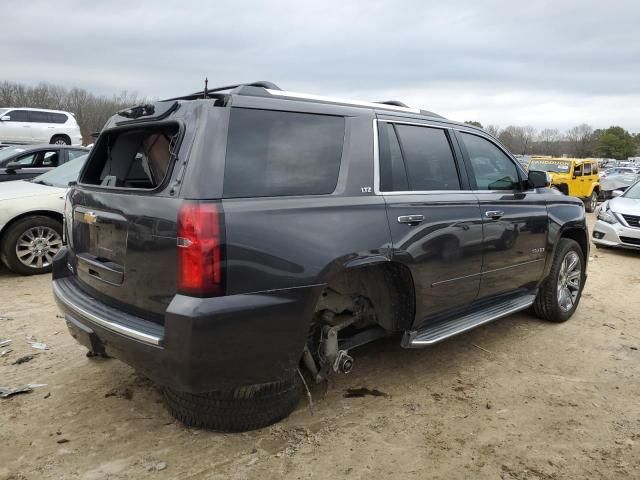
(90, 217)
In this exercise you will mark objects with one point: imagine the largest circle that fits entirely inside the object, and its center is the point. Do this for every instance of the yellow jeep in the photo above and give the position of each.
(572, 176)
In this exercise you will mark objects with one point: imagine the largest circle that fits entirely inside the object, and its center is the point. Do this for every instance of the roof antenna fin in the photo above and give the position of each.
(206, 84)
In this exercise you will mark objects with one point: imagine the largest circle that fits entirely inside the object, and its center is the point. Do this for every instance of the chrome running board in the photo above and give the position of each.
(436, 332)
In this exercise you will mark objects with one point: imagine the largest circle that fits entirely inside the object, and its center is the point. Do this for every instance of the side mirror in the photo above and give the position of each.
(12, 167)
(6, 118)
(616, 193)
(538, 179)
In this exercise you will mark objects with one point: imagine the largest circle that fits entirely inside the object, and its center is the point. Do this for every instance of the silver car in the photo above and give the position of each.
(618, 222)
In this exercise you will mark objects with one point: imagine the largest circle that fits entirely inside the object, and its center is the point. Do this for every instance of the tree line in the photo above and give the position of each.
(580, 141)
(91, 111)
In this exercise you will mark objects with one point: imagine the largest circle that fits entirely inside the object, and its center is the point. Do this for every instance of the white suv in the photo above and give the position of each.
(34, 125)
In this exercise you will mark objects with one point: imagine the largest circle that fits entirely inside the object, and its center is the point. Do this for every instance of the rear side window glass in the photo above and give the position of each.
(57, 117)
(587, 169)
(271, 153)
(492, 168)
(38, 117)
(138, 158)
(428, 158)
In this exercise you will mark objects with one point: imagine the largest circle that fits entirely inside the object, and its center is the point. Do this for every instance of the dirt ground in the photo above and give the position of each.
(516, 399)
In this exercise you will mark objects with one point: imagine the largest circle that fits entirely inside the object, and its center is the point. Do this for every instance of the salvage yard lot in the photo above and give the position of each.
(516, 399)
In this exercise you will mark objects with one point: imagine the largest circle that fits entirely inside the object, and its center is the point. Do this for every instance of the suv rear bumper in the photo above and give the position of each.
(205, 344)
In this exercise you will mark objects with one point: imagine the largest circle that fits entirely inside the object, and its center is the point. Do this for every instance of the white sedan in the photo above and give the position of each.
(618, 222)
(31, 218)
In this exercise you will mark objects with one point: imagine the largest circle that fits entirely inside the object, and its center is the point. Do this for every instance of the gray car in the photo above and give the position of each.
(618, 180)
(618, 222)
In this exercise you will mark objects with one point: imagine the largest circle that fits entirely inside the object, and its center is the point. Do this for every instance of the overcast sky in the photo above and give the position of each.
(544, 63)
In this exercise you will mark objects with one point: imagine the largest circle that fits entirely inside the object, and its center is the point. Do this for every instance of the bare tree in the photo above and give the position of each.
(493, 130)
(91, 111)
(580, 139)
(549, 138)
(528, 136)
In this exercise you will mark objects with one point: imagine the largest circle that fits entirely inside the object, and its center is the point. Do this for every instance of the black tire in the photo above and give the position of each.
(591, 204)
(239, 410)
(60, 140)
(15, 232)
(546, 305)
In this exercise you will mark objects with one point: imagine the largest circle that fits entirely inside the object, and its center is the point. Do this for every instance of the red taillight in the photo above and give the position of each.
(200, 250)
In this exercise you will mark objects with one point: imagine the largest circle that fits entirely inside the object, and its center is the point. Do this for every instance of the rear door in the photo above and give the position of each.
(41, 126)
(577, 184)
(514, 218)
(590, 175)
(434, 218)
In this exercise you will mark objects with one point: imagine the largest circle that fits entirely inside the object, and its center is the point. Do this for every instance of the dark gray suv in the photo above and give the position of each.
(236, 244)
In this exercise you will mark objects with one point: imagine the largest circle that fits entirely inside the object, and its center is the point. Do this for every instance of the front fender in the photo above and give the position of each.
(566, 219)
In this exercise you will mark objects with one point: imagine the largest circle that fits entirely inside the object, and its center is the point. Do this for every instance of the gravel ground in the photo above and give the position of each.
(516, 399)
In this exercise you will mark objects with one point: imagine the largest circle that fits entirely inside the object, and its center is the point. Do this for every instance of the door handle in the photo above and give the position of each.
(411, 219)
(495, 214)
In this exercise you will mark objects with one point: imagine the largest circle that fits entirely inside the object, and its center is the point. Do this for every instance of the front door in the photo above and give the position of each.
(36, 163)
(434, 219)
(16, 129)
(515, 222)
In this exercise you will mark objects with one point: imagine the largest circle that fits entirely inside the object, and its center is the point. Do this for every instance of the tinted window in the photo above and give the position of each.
(492, 168)
(428, 158)
(282, 153)
(18, 116)
(39, 117)
(587, 169)
(57, 117)
(393, 175)
(577, 170)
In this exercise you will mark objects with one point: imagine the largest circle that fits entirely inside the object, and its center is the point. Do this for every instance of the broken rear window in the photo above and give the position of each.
(139, 158)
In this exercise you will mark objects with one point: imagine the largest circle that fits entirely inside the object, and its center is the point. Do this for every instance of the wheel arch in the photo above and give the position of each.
(64, 135)
(32, 213)
(574, 231)
(389, 283)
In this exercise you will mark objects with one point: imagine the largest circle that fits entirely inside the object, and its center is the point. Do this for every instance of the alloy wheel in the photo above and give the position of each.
(569, 280)
(37, 246)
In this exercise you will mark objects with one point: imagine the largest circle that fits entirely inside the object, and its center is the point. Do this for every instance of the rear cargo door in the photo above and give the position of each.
(122, 229)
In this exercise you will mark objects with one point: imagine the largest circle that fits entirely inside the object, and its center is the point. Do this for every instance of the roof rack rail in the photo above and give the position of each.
(395, 103)
(431, 114)
(201, 94)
